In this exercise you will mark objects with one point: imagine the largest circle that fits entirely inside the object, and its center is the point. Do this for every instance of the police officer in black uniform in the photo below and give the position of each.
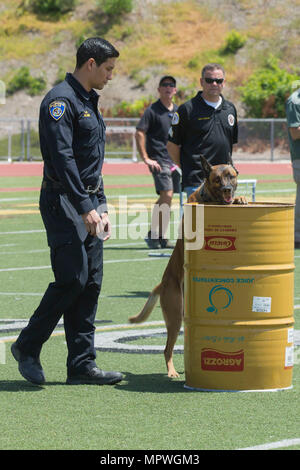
(73, 208)
(207, 125)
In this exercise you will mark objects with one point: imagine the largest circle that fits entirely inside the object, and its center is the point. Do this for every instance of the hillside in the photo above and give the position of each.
(157, 37)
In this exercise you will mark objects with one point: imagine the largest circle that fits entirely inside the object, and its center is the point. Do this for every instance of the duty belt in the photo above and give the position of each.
(56, 185)
(93, 190)
(52, 185)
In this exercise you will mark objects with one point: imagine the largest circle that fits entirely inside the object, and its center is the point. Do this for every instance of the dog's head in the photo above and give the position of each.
(220, 181)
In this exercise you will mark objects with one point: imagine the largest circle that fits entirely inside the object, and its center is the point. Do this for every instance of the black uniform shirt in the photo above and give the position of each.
(156, 122)
(200, 129)
(72, 140)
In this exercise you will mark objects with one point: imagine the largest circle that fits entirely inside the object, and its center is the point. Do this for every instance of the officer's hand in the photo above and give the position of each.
(104, 227)
(91, 220)
(153, 165)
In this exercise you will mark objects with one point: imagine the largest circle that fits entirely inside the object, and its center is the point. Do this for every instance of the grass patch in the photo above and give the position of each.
(171, 42)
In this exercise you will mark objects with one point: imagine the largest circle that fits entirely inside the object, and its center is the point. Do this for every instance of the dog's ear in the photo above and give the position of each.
(230, 162)
(206, 167)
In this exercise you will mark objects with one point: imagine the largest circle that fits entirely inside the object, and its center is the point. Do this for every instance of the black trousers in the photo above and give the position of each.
(78, 269)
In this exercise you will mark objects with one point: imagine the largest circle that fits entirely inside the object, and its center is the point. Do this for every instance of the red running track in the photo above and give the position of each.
(245, 168)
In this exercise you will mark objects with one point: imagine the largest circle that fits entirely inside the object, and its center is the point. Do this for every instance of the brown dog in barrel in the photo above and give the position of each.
(218, 187)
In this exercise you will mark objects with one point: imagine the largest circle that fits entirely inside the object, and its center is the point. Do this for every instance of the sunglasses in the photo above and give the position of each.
(168, 84)
(212, 80)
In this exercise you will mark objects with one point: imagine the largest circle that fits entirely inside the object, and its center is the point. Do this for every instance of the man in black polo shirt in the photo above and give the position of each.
(151, 137)
(207, 125)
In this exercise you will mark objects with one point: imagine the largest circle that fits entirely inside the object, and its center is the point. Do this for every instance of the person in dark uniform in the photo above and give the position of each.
(207, 125)
(151, 138)
(73, 209)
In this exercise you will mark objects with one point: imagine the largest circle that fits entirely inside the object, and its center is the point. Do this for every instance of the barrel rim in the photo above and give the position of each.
(196, 389)
(251, 205)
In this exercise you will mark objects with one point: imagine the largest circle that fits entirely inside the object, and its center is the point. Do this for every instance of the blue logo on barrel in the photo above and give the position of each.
(226, 299)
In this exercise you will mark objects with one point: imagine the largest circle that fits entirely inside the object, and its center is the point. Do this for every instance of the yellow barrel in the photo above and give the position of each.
(239, 298)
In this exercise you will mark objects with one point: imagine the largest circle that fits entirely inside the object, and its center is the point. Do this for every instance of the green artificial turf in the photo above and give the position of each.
(146, 411)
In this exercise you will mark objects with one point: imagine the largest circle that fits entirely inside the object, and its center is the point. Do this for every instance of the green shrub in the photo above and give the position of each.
(115, 8)
(22, 80)
(233, 42)
(36, 86)
(265, 93)
(194, 62)
(46, 7)
(134, 109)
(19, 81)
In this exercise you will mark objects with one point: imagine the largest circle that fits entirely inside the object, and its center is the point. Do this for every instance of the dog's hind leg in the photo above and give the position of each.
(171, 300)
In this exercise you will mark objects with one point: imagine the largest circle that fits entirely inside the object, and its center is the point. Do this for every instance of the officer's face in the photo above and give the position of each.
(102, 73)
(212, 91)
(167, 89)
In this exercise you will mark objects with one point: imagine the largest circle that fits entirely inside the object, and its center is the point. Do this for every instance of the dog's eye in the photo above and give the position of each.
(217, 180)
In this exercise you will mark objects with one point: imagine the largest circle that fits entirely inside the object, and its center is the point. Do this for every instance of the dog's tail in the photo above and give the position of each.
(148, 307)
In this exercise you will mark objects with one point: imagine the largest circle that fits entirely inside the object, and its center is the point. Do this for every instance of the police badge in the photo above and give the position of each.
(231, 119)
(57, 109)
(175, 119)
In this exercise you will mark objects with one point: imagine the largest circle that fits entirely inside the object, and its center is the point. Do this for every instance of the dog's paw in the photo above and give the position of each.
(173, 374)
(240, 200)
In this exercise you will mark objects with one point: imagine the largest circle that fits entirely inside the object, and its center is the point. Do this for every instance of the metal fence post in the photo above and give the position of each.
(272, 139)
(22, 156)
(28, 140)
(9, 147)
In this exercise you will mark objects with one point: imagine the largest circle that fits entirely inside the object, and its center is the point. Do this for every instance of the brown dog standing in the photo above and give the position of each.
(218, 187)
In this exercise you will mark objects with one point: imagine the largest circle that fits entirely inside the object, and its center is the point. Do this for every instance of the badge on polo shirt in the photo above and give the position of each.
(175, 119)
(231, 119)
(57, 109)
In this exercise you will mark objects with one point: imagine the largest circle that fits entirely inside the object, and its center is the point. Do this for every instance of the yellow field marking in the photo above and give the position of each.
(35, 204)
(130, 208)
(18, 211)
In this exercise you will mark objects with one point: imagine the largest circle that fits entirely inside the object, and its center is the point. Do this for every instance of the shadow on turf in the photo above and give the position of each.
(132, 295)
(129, 248)
(152, 383)
(18, 386)
(147, 383)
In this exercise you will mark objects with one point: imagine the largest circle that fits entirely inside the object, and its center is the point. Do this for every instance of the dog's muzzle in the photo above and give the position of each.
(228, 193)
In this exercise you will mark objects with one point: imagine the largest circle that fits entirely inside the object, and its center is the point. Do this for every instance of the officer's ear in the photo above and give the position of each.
(90, 63)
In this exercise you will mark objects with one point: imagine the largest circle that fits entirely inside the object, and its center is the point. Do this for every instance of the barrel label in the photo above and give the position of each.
(219, 243)
(289, 357)
(261, 304)
(212, 359)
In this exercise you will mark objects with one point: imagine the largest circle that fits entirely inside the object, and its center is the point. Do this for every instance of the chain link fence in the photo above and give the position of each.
(259, 139)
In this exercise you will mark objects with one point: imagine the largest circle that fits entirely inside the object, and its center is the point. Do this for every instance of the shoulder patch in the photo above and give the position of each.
(175, 119)
(231, 119)
(57, 109)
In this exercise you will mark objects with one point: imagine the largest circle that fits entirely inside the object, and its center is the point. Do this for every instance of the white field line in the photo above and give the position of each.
(44, 250)
(39, 294)
(24, 232)
(274, 445)
(29, 268)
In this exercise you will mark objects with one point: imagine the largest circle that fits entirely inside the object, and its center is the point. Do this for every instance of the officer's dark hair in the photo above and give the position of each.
(167, 77)
(212, 67)
(97, 48)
